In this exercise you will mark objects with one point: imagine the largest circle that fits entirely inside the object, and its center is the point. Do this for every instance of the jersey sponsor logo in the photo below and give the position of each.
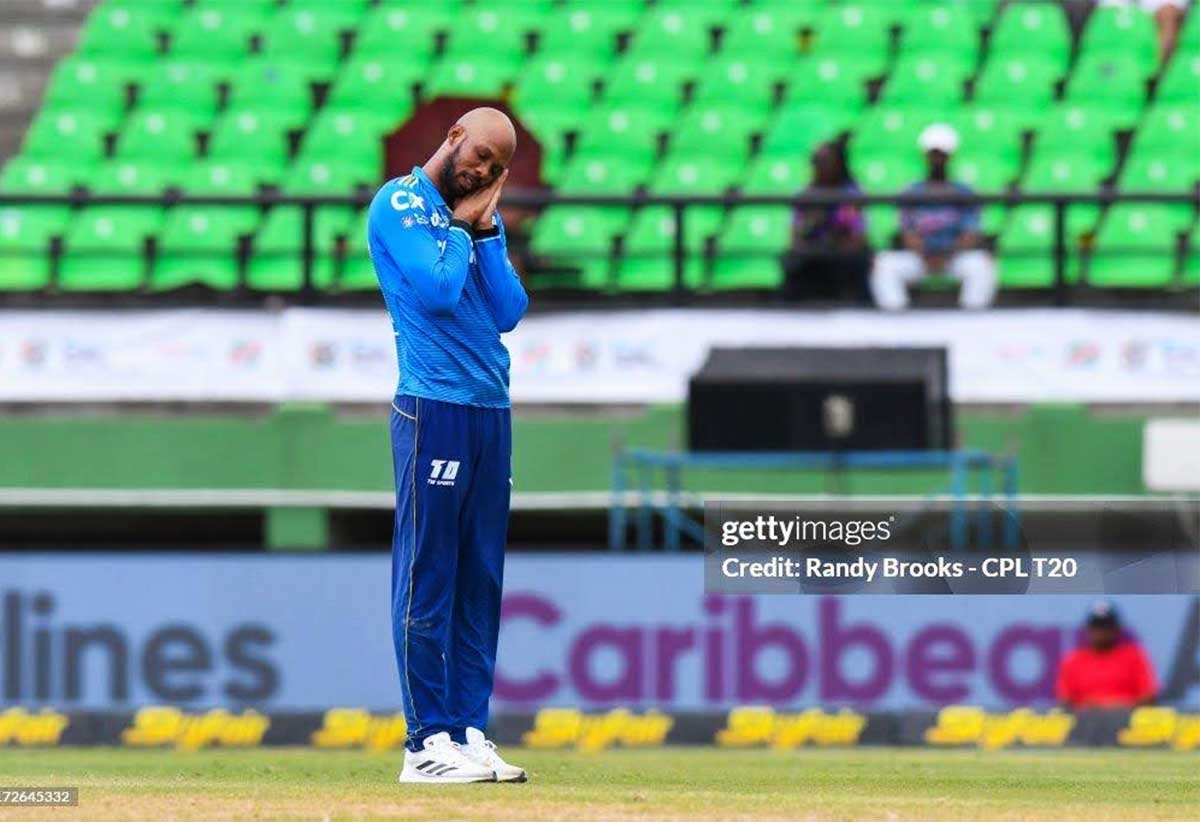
(404, 200)
(437, 220)
(407, 222)
(443, 472)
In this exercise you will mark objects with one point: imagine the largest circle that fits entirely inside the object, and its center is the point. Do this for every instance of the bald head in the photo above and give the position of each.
(492, 126)
(477, 150)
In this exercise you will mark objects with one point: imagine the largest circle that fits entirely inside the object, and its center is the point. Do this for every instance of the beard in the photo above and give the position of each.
(451, 183)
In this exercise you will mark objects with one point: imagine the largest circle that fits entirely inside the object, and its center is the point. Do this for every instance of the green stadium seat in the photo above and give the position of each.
(131, 177)
(349, 136)
(377, 83)
(750, 247)
(567, 229)
(860, 28)
(252, 136)
(398, 33)
(553, 94)
(1170, 127)
(1066, 173)
(347, 12)
(1069, 171)
(998, 128)
(1191, 266)
(603, 174)
(1135, 247)
(798, 129)
(678, 32)
(1025, 249)
(886, 171)
(277, 263)
(630, 130)
(934, 79)
(756, 230)
(309, 37)
(649, 81)
(354, 271)
(104, 249)
(258, 8)
(686, 175)
(1181, 77)
(54, 135)
(713, 13)
(771, 33)
(31, 175)
(648, 263)
(833, 81)
(126, 29)
(938, 27)
(25, 233)
(983, 170)
(178, 84)
(1125, 30)
(1079, 128)
(717, 130)
(777, 175)
(1151, 172)
(162, 135)
(1111, 82)
(656, 273)
(278, 86)
(468, 75)
(504, 30)
(226, 177)
(583, 34)
(197, 246)
(749, 84)
(579, 237)
(330, 175)
(882, 225)
(652, 230)
(893, 128)
(97, 86)
(1017, 79)
(219, 36)
(1033, 28)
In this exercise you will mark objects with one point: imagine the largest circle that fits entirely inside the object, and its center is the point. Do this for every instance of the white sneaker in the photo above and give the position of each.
(482, 751)
(442, 761)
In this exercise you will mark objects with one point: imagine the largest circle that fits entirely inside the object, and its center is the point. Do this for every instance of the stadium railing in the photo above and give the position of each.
(678, 204)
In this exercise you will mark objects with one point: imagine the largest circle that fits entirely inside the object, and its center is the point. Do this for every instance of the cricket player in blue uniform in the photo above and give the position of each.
(438, 246)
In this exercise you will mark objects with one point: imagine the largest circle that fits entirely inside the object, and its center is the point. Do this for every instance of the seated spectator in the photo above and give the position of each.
(829, 256)
(937, 238)
(1110, 671)
(1168, 16)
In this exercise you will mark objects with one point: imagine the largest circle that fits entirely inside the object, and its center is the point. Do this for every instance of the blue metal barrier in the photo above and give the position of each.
(971, 472)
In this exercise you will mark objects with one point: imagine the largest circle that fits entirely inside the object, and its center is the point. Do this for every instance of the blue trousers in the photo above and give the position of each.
(453, 467)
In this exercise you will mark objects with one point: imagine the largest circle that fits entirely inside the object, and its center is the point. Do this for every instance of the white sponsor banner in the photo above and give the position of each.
(601, 356)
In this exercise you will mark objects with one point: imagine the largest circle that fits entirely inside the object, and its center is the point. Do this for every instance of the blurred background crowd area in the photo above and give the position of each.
(626, 99)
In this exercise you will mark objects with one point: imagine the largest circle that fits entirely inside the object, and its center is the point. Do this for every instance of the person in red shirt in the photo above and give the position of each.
(1110, 671)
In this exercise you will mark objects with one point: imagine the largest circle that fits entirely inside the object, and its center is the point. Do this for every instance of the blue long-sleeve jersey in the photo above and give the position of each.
(451, 293)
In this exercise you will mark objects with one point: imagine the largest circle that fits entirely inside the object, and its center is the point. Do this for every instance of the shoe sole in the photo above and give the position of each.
(422, 779)
(522, 778)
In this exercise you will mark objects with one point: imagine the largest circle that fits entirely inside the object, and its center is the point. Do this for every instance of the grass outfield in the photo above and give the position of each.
(916, 784)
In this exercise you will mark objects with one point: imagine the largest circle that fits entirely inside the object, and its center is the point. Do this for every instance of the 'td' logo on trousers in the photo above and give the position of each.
(443, 472)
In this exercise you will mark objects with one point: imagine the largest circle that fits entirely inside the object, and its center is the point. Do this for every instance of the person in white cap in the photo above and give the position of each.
(936, 238)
